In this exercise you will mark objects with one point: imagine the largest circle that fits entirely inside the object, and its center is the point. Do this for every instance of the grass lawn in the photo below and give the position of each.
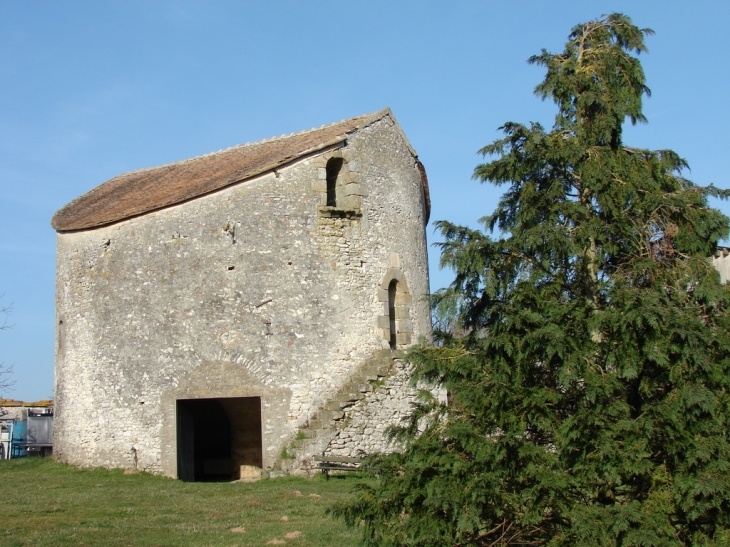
(46, 504)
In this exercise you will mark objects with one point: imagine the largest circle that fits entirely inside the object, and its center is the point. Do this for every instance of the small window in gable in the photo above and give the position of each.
(334, 166)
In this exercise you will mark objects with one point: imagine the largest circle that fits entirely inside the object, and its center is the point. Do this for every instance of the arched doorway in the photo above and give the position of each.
(216, 436)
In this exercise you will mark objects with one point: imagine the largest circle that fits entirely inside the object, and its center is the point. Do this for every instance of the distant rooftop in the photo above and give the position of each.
(14, 402)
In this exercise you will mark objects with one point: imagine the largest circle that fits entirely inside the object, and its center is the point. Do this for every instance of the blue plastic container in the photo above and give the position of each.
(20, 435)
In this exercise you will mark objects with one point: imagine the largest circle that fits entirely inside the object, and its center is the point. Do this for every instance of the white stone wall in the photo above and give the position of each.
(721, 262)
(250, 291)
(17, 413)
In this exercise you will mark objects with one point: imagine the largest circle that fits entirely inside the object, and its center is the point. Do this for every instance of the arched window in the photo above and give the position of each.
(392, 290)
(394, 320)
(333, 169)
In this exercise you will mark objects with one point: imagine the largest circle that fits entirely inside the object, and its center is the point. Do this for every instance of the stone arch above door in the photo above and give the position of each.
(223, 380)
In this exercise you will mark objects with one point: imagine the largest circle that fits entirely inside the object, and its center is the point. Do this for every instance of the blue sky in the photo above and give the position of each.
(92, 89)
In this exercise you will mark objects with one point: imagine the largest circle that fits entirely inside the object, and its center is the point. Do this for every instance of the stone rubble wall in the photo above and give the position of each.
(366, 423)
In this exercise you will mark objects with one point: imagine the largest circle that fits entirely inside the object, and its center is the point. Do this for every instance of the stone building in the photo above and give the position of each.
(246, 307)
(721, 262)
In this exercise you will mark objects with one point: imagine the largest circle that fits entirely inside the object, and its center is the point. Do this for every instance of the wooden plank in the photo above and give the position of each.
(336, 459)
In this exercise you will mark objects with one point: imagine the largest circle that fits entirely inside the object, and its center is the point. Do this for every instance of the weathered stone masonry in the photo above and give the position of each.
(253, 292)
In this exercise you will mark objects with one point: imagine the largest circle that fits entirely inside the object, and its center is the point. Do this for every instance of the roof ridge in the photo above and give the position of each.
(151, 188)
(369, 117)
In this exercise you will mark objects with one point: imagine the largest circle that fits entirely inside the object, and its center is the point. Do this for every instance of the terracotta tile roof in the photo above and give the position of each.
(139, 192)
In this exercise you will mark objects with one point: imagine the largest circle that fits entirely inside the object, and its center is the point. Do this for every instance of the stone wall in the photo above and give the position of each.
(365, 425)
(721, 262)
(17, 413)
(258, 290)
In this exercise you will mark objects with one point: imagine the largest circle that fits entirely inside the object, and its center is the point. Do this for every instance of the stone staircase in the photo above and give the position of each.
(314, 437)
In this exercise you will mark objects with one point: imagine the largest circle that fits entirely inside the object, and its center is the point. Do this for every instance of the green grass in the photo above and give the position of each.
(46, 504)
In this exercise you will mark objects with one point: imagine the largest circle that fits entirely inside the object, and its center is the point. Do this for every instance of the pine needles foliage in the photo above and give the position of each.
(589, 396)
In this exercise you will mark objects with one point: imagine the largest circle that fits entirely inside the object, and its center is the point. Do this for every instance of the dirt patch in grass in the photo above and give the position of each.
(251, 503)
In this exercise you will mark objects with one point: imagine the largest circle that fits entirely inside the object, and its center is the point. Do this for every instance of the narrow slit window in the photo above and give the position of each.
(333, 170)
(392, 290)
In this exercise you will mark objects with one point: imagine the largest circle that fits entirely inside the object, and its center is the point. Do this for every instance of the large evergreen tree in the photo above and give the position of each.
(588, 401)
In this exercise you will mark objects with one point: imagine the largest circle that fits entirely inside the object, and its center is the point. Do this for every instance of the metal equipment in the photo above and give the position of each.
(40, 431)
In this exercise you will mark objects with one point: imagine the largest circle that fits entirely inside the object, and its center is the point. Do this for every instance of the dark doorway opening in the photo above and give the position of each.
(215, 437)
